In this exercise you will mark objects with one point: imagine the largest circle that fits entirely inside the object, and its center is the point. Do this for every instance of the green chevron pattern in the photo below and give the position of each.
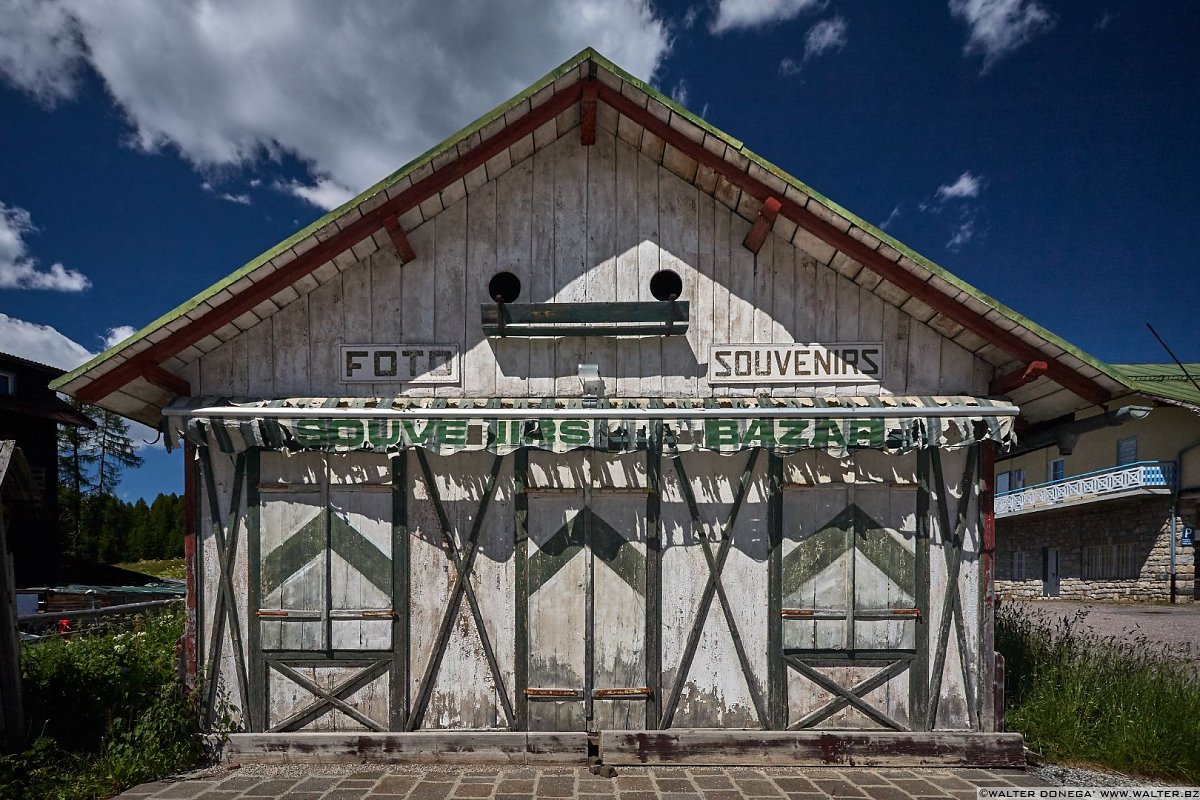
(310, 541)
(816, 553)
(587, 529)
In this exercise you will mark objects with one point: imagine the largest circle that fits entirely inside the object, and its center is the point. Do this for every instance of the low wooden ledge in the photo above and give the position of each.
(850, 748)
(419, 747)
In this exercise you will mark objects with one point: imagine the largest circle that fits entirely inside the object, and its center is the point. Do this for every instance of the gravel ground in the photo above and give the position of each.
(1174, 626)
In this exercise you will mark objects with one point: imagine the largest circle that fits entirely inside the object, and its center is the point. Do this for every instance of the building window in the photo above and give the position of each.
(1058, 469)
(1018, 565)
(1127, 450)
(1103, 561)
(1010, 481)
(8, 383)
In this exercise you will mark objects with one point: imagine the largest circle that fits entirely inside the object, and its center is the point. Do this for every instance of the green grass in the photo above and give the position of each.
(1124, 704)
(161, 568)
(107, 712)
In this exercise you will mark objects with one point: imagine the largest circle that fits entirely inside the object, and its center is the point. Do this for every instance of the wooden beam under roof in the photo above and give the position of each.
(399, 239)
(762, 226)
(1003, 384)
(587, 113)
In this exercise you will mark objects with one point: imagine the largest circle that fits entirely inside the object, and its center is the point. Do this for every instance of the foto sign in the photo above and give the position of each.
(399, 363)
(841, 362)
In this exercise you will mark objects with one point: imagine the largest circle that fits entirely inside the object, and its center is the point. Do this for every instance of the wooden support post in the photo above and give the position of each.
(777, 700)
(654, 575)
(1004, 384)
(918, 676)
(988, 660)
(191, 567)
(260, 705)
(762, 226)
(587, 113)
(167, 380)
(395, 230)
(521, 585)
(401, 626)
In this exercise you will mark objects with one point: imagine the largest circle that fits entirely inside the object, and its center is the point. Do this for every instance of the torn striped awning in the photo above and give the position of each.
(836, 425)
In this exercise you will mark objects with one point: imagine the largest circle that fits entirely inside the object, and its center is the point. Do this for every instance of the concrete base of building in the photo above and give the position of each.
(692, 747)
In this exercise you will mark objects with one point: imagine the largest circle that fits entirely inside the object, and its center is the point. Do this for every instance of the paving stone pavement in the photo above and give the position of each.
(631, 783)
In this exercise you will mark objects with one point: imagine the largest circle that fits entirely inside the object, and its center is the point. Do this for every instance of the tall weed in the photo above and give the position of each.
(1124, 703)
(106, 712)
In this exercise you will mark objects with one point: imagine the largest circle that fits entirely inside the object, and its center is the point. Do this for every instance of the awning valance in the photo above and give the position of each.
(835, 425)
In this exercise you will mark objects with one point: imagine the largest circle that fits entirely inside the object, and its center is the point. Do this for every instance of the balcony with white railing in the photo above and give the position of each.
(1141, 477)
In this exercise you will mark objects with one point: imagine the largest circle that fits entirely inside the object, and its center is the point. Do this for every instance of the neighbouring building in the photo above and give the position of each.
(30, 414)
(592, 431)
(1099, 505)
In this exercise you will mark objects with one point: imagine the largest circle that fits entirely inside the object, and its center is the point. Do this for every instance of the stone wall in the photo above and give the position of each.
(1144, 521)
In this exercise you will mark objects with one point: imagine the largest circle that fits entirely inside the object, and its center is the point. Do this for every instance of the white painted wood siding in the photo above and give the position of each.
(580, 224)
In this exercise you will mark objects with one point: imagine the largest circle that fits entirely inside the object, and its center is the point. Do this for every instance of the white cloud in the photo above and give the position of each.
(892, 217)
(735, 14)
(962, 234)
(354, 90)
(789, 66)
(826, 35)
(117, 335)
(996, 28)
(680, 93)
(41, 51)
(1106, 19)
(20, 270)
(967, 185)
(40, 343)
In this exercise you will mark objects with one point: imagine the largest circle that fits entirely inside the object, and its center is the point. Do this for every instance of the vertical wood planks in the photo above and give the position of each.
(628, 274)
(570, 253)
(541, 269)
(648, 255)
(600, 282)
(514, 242)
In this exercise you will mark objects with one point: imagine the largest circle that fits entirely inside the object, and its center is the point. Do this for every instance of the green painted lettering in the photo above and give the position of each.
(574, 432)
(720, 433)
(452, 431)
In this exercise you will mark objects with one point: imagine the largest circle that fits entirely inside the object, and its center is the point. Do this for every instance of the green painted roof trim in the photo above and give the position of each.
(589, 54)
(1163, 380)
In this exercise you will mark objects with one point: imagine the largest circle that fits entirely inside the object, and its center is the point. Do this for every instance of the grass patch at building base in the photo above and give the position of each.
(1123, 703)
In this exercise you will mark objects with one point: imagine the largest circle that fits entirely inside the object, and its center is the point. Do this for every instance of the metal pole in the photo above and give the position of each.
(768, 412)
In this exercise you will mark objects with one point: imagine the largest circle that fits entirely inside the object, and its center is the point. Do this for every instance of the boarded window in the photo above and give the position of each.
(1019, 565)
(1127, 450)
(1107, 561)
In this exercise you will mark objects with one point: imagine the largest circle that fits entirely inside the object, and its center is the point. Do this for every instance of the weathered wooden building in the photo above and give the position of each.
(592, 422)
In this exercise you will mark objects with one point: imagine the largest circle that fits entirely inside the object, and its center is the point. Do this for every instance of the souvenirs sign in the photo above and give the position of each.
(842, 362)
(399, 363)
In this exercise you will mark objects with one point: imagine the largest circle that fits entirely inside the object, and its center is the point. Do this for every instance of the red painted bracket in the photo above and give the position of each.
(167, 380)
(399, 238)
(1018, 378)
(587, 113)
(762, 226)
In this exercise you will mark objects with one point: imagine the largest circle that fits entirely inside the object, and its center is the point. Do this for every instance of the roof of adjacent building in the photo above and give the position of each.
(1166, 381)
(139, 375)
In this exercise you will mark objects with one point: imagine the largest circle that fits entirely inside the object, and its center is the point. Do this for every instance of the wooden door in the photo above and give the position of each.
(1050, 572)
(850, 603)
(587, 662)
(325, 588)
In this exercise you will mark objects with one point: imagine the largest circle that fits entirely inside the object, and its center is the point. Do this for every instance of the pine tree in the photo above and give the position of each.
(76, 458)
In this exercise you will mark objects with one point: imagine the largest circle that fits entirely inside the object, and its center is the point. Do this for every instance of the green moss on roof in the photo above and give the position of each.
(585, 55)
(1167, 381)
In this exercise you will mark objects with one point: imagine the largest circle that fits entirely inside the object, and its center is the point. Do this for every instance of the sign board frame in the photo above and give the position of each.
(418, 364)
(797, 363)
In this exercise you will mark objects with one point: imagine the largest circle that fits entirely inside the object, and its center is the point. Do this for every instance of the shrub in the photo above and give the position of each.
(107, 713)
(1123, 703)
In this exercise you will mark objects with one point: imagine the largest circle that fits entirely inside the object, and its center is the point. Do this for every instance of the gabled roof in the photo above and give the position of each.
(140, 374)
(1168, 382)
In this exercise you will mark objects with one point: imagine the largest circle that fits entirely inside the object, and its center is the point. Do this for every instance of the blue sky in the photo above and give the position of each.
(1043, 151)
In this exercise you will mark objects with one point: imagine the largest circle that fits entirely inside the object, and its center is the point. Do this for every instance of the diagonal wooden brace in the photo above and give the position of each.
(462, 587)
(762, 226)
(713, 587)
(859, 690)
(332, 698)
(839, 691)
(399, 238)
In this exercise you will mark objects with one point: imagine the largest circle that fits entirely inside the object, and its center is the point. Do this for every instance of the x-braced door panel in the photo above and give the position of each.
(460, 523)
(586, 572)
(325, 586)
(850, 604)
(715, 590)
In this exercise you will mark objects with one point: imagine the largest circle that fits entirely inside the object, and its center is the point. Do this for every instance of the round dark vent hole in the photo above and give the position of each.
(666, 285)
(504, 287)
